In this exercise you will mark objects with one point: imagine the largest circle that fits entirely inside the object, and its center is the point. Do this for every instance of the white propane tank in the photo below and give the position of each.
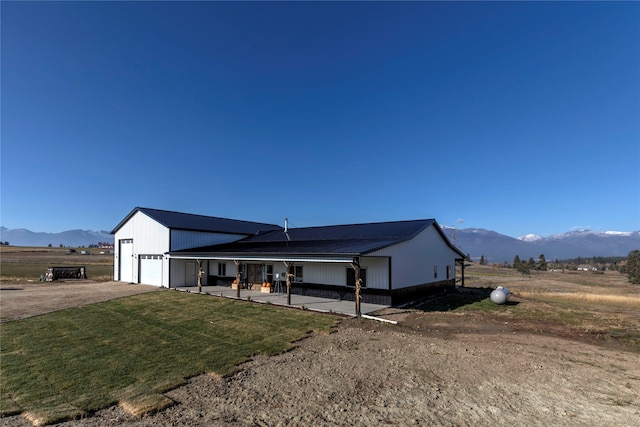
(498, 296)
(505, 290)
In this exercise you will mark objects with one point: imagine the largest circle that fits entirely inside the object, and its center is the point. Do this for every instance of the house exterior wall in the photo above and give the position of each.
(149, 238)
(336, 273)
(152, 238)
(413, 261)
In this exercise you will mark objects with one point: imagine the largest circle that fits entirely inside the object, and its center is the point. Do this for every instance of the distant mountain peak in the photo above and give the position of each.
(618, 233)
(530, 238)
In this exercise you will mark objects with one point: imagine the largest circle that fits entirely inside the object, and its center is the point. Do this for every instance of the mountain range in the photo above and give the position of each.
(71, 238)
(476, 242)
(498, 248)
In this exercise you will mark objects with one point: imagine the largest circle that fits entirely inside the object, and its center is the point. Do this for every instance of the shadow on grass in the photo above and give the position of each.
(461, 298)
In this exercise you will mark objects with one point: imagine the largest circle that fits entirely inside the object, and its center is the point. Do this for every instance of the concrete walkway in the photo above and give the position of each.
(325, 305)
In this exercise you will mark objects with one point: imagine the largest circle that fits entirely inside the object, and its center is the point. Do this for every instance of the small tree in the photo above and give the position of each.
(542, 263)
(632, 267)
(523, 268)
(482, 260)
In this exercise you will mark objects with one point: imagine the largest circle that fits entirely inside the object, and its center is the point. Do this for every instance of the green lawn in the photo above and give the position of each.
(72, 362)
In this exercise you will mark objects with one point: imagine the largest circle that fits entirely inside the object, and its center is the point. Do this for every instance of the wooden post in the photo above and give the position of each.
(238, 265)
(200, 273)
(356, 267)
(288, 264)
(461, 261)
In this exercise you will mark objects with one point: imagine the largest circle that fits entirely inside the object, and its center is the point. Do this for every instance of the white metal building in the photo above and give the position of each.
(144, 238)
(397, 261)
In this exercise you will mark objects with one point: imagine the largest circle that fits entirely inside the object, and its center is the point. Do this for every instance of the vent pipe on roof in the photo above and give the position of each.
(286, 225)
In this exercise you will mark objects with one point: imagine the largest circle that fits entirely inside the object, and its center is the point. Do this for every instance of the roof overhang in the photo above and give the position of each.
(265, 258)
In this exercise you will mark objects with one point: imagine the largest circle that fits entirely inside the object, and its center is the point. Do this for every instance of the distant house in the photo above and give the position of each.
(397, 261)
(586, 267)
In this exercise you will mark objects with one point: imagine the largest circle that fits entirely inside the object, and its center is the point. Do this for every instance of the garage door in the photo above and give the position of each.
(151, 270)
(126, 260)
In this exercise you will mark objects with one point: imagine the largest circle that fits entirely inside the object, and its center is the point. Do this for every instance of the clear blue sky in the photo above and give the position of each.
(516, 117)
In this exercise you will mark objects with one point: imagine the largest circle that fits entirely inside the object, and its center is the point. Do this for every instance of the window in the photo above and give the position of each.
(297, 273)
(435, 271)
(270, 273)
(222, 269)
(351, 277)
(448, 272)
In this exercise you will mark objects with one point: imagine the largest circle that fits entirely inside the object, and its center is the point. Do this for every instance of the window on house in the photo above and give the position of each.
(222, 269)
(297, 273)
(351, 277)
(269, 274)
(435, 271)
(448, 272)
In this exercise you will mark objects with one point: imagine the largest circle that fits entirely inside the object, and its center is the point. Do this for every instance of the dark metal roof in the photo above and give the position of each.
(184, 221)
(293, 248)
(352, 239)
(396, 231)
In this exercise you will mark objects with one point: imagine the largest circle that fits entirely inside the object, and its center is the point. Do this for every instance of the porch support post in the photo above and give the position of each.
(356, 267)
(238, 265)
(288, 264)
(461, 261)
(200, 273)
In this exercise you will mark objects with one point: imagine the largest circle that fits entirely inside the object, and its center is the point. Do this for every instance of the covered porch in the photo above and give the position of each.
(324, 305)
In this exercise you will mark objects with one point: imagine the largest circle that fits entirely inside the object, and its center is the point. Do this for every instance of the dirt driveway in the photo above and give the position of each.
(452, 369)
(21, 301)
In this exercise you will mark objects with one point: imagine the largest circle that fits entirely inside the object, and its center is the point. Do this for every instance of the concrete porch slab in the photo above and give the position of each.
(325, 305)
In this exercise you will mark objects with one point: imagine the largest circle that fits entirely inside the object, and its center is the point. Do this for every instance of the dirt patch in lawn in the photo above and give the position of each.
(33, 299)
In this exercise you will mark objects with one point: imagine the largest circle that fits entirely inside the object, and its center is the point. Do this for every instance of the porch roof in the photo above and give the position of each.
(342, 250)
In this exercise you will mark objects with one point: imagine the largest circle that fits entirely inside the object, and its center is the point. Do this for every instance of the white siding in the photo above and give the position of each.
(413, 261)
(149, 237)
(336, 273)
(182, 239)
(313, 272)
(177, 271)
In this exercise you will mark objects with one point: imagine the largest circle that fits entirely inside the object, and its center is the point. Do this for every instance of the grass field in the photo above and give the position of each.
(603, 309)
(19, 264)
(129, 351)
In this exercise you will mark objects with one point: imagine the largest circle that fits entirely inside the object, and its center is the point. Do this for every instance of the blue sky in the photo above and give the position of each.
(512, 116)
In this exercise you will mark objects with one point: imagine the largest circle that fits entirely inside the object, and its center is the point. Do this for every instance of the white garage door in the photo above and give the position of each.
(126, 260)
(151, 270)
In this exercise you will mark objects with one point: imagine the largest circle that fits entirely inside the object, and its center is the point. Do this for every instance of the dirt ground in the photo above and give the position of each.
(449, 369)
(20, 301)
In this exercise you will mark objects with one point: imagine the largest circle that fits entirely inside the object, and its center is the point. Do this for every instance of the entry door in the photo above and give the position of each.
(254, 273)
(191, 274)
(126, 260)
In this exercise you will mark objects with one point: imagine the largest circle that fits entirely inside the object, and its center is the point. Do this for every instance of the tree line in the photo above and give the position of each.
(629, 265)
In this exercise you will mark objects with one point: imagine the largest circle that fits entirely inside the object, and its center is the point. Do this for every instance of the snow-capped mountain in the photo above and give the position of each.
(499, 248)
(529, 238)
(71, 238)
